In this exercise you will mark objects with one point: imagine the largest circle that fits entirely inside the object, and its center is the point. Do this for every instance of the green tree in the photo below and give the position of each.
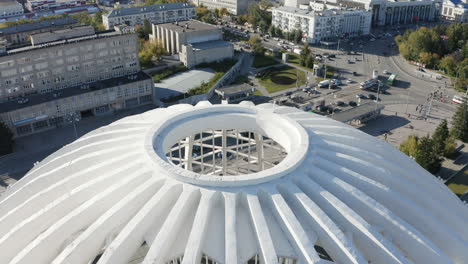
(425, 58)
(147, 28)
(272, 30)
(410, 146)
(149, 52)
(447, 63)
(439, 138)
(297, 37)
(304, 55)
(427, 157)
(216, 12)
(223, 12)
(6, 139)
(450, 150)
(257, 46)
(460, 123)
(263, 27)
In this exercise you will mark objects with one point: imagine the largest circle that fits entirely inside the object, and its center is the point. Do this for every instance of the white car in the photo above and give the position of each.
(386, 72)
(349, 81)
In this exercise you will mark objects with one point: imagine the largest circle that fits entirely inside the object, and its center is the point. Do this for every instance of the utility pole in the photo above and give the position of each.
(407, 99)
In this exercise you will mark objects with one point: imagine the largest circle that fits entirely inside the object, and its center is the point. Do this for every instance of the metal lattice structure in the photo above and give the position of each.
(289, 187)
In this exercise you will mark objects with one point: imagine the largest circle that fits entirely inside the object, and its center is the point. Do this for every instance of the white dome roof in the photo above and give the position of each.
(338, 194)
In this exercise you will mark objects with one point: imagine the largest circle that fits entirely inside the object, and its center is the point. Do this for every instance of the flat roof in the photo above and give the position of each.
(65, 41)
(234, 89)
(37, 25)
(72, 91)
(148, 9)
(210, 44)
(357, 112)
(8, 2)
(187, 26)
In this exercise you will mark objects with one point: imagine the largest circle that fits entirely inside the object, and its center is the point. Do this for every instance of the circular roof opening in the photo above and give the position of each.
(233, 145)
(226, 152)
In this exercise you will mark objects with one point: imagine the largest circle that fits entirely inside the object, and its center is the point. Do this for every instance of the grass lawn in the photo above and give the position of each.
(257, 92)
(280, 78)
(263, 61)
(459, 183)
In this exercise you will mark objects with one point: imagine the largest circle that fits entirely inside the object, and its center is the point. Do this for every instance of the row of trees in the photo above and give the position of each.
(429, 152)
(443, 47)
(27, 21)
(206, 15)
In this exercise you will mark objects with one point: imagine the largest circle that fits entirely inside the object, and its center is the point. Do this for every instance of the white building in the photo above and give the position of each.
(156, 14)
(384, 12)
(323, 25)
(456, 10)
(270, 184)
(195, 42)
(10, 8)
(235, 7)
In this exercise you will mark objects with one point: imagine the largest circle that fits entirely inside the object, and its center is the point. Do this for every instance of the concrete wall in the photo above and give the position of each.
(191, 57)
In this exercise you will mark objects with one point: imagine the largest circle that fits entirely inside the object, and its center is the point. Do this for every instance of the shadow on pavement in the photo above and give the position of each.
(384, 124)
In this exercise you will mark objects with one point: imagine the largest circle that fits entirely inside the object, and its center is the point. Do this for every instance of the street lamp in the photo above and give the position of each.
(73, 117)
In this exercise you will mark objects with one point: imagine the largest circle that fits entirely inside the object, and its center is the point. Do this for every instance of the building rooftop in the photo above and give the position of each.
(8, 3)
(37, 25)
(148, 9)
(72, 91)
(210, 44)
(102, 34)
(234, 89)
(338, 196)
(187, 26)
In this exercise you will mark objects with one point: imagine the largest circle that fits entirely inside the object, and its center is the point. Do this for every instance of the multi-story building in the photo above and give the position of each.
(384, 12)
(156, 14)
(195, 42)
(17, 35)
(45, 5)
(89, 75)
(323, 25)
(456, 10)
(235, 7)
(10, 8)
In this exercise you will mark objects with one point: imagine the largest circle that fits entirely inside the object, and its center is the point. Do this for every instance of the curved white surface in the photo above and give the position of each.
(112, 190)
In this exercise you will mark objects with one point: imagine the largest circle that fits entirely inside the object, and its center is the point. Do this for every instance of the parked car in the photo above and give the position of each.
(336, 81)
(354, 73)
(386, 72)
(349, 81)
(339, 103)
(371, 96)
(23, 100)
(332, 56)
(352, 103)
(361, 96)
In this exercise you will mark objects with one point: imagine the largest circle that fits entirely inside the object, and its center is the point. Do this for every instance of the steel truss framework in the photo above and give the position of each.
(226, 152)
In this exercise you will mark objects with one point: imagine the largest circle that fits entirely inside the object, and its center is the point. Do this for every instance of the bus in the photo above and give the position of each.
(458, 99)
(391, 79)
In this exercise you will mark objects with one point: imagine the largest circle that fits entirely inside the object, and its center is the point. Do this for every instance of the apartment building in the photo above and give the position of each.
(323, 25)
(10, 8)
(45, 5)
(89, 75)
(235, 7)
(156, 14)
(384, 12)
(456, 10)
(18, 35)
(195, 42)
